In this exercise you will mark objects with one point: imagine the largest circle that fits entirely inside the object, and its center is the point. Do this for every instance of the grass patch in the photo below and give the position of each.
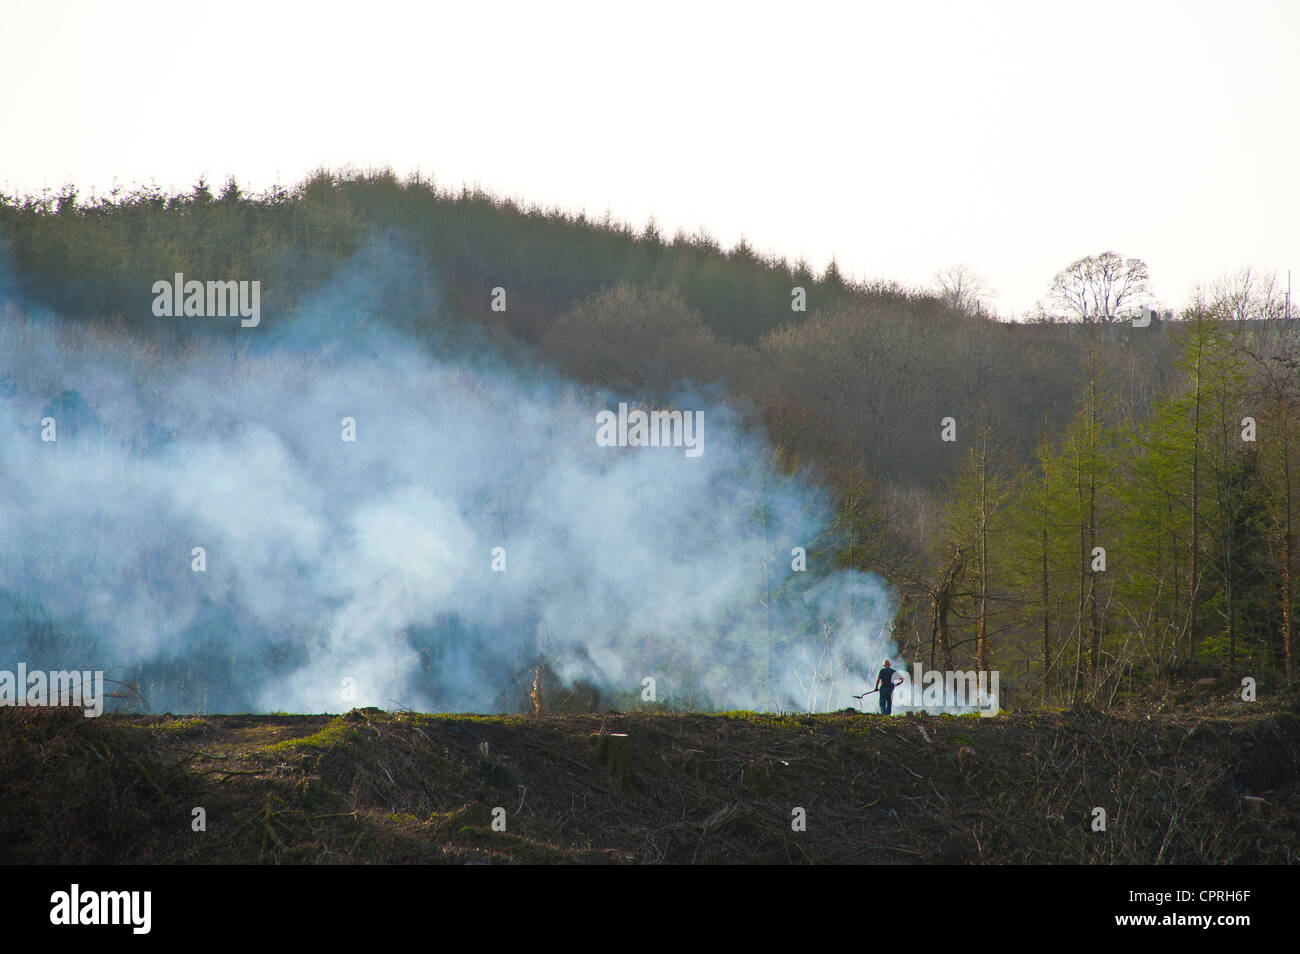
(174, 728)
(338, 732)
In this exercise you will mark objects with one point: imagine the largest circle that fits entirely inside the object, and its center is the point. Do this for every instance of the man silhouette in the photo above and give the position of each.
(885, 683)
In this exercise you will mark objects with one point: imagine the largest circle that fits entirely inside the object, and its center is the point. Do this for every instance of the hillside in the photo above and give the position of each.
(841, 380)
(1102, 512)
(1209, 784)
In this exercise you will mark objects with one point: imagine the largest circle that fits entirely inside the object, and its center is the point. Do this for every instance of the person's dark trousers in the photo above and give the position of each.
(886, 702)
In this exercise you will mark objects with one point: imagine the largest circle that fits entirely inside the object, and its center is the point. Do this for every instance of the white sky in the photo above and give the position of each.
(897, 137)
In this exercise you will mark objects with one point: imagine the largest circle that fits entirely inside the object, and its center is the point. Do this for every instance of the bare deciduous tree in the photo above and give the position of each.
(961, 287)
(1246, 294)
(1101, 288)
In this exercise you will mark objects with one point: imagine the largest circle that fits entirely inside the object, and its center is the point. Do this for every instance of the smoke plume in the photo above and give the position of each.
(366, 572)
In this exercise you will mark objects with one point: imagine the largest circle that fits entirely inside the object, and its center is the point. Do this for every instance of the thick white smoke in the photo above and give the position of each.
(368, 565)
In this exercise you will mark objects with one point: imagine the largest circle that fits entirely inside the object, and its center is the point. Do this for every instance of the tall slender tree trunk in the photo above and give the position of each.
(1094, 625)
(1083, 583)
(1175, 572)
(1229, 519)
(1194, 561)
(1047, 619)
(767, 591)
(982, 643)
(1090, 577)
(1288, 542)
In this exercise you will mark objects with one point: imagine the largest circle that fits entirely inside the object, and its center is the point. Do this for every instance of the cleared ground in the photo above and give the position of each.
(1215, 783)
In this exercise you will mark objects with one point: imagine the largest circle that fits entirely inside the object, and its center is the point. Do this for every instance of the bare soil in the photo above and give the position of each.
(1214, 784)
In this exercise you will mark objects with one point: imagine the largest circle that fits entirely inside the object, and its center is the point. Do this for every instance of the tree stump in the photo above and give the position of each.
(694, 763)
(612, 750)
(758, 778)
(966, 759)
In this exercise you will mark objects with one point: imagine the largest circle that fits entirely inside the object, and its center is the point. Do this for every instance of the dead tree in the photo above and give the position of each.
(941, 597)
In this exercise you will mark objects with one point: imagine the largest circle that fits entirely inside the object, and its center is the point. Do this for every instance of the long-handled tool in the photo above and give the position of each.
(865, 694)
